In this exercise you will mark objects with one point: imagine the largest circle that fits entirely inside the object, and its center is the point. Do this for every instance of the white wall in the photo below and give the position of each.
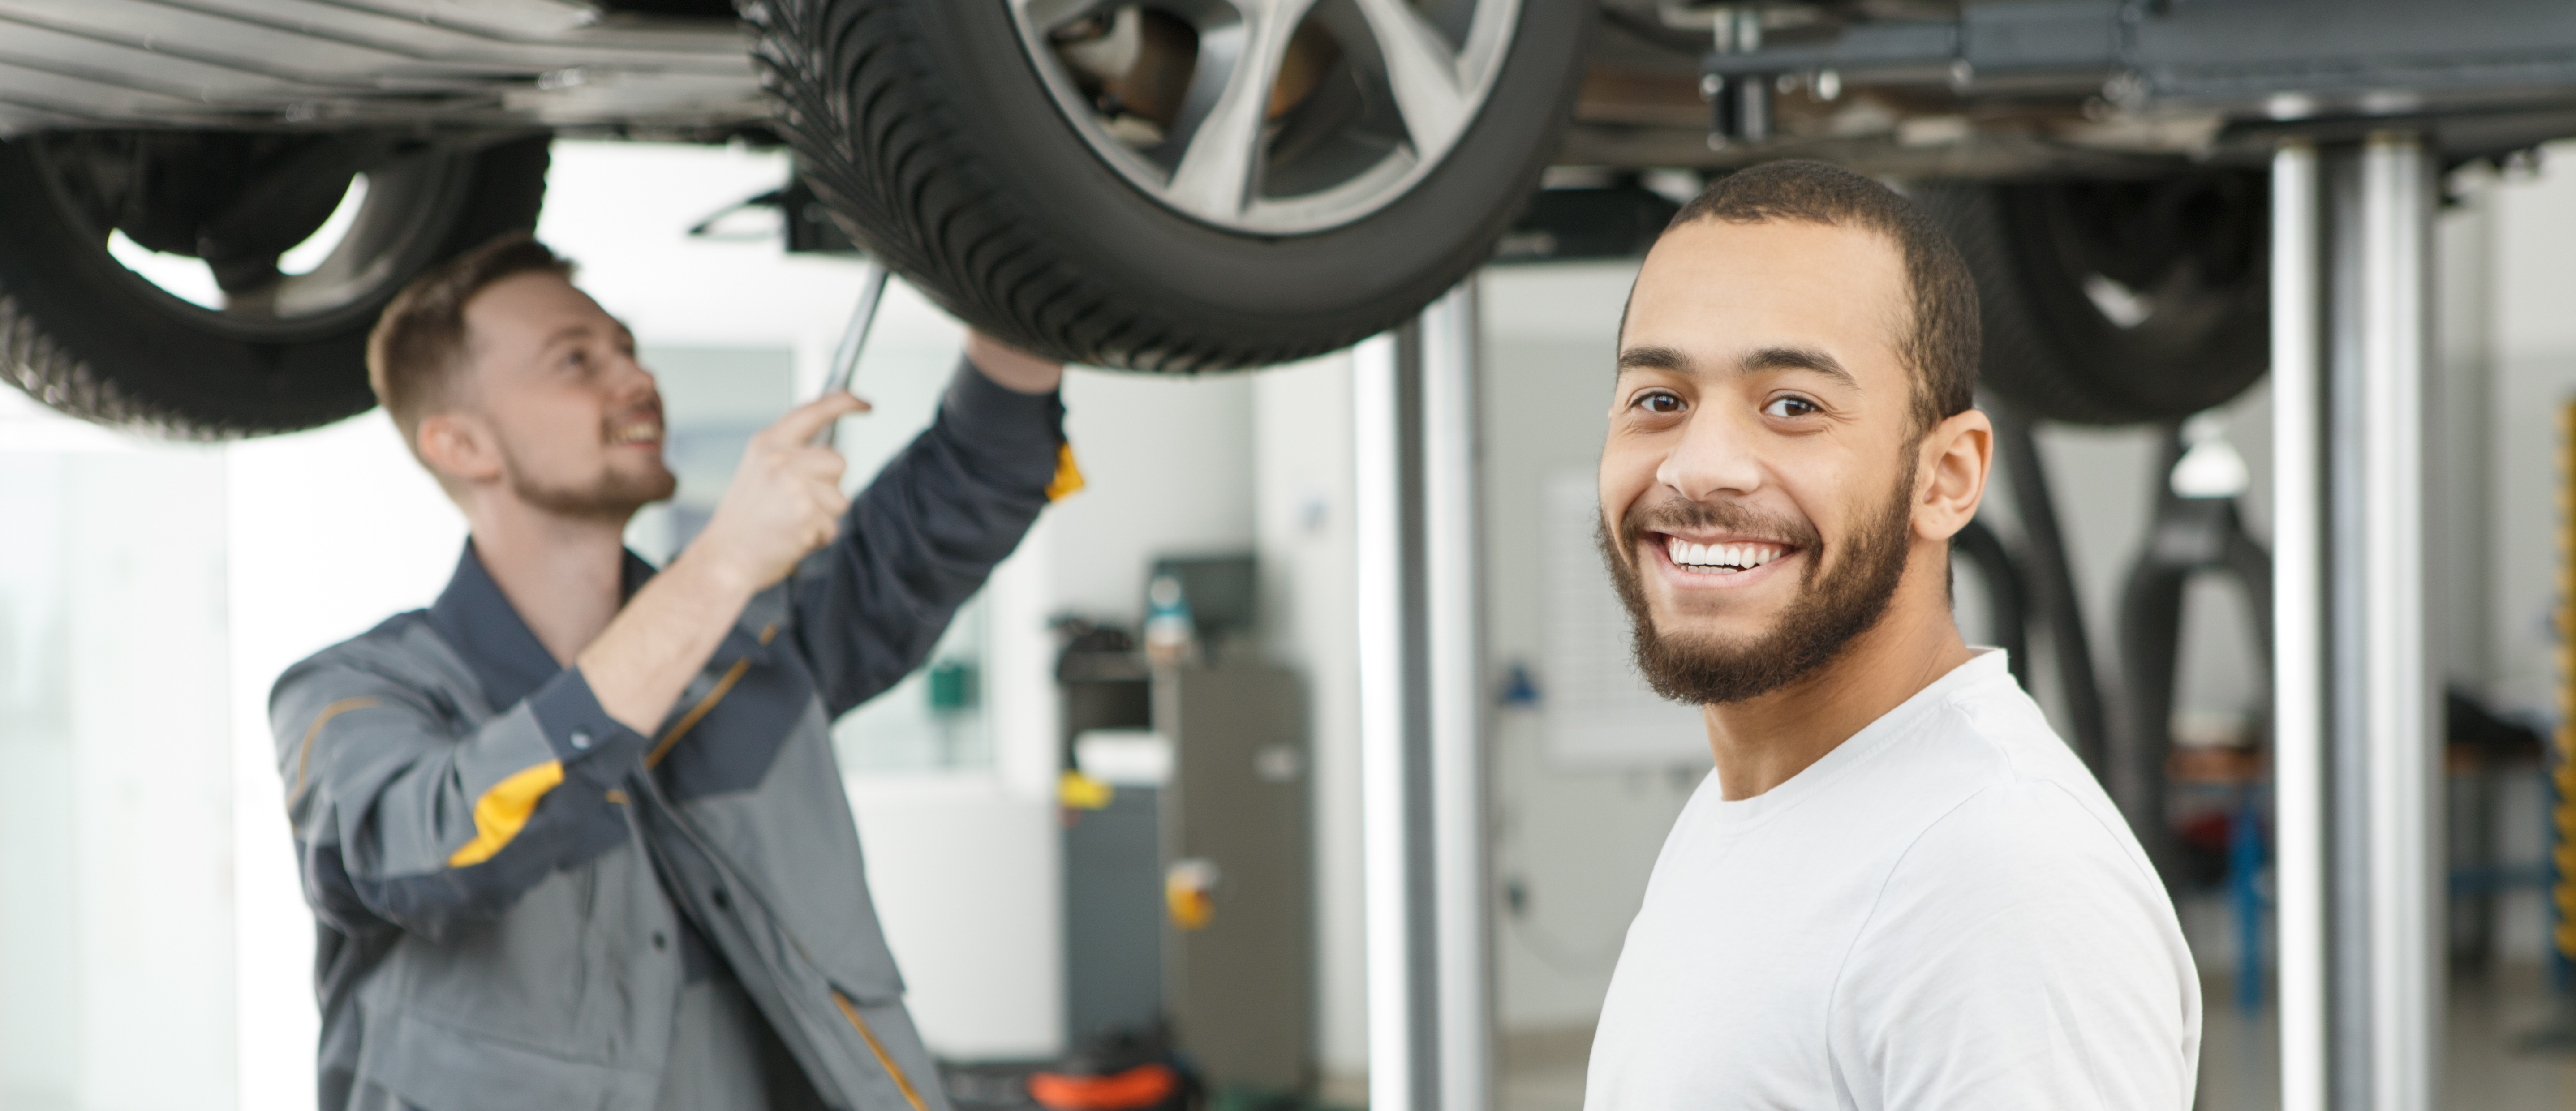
(1169, 461)
(2521, 230)
(2534, 360)
(115, 907)
(965, 881)
(329, 532)
(1310, 606)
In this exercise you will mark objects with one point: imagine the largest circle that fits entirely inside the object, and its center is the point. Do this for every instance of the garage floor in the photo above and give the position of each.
(1542, 1071)
(2238, 1070)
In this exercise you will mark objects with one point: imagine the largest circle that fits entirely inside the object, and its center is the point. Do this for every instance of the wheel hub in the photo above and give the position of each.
(1269, 116)
(237, 203)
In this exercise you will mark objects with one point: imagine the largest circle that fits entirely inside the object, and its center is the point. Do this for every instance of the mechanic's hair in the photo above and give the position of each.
(418, 345)
(1941, 347)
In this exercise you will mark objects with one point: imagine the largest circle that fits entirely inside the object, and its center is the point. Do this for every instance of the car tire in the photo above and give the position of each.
(2118, 302)
(930, 129)
(85, 335)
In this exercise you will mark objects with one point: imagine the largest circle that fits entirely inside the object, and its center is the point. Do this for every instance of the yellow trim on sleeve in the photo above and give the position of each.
(1068, 476)
(902, 1083)
(723, 686)
(304, 754)
(504, 810)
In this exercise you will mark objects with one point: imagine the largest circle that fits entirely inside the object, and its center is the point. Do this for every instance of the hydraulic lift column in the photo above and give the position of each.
(2355, 744)
(1421, 698)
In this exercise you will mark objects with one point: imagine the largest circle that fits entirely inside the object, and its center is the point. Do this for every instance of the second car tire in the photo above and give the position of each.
(85, 336)
(2116, 302)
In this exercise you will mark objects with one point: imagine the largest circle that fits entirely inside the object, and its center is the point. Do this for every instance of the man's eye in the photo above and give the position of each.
(1658, 402)
(1789, 407)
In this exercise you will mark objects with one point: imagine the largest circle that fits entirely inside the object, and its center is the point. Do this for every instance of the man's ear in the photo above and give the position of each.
(1954, 460)
(459, 447)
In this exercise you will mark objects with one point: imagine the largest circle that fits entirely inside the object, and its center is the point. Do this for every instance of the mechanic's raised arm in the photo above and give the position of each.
(925, 534)
(784, 502)
(402, 820)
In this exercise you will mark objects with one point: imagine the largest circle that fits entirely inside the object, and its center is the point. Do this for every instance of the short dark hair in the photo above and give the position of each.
(1941, 347)
(418, 345)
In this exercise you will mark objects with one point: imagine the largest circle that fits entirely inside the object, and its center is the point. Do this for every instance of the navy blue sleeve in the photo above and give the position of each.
(923, 537)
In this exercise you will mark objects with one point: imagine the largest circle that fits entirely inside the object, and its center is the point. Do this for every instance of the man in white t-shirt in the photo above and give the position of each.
(1898, 889)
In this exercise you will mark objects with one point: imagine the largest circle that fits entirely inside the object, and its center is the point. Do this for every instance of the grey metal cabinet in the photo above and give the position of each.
(1235, 991)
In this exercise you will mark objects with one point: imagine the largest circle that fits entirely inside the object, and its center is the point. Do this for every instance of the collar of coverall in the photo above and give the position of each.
(478, 621)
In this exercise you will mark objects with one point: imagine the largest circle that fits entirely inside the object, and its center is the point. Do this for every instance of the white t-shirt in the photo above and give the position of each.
(1945, 912)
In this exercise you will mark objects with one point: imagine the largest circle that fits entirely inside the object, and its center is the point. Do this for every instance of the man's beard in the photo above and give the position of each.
(614, 495)
(1831, 609)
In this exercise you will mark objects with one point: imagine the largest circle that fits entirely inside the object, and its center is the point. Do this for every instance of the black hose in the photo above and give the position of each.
(2007, 594)
(2186, 537)
(2052, 586)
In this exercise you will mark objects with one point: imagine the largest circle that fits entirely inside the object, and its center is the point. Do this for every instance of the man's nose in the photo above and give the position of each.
(1713, 457)
(632, 383)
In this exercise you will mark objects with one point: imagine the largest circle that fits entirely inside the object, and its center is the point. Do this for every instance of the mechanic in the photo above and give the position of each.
(574, 834)
(1899, 888)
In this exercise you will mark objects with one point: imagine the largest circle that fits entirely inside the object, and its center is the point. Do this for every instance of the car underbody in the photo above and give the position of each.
(1906, 88)
(1285, 176)
(305, 65)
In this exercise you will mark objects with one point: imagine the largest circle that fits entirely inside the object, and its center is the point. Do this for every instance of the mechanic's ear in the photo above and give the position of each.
(459, 447)
(1955, 459)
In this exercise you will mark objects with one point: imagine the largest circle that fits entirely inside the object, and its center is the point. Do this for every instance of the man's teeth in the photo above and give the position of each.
(1736, 557)
(640, 432)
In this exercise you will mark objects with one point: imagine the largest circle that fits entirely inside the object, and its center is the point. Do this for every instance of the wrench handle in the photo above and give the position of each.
(854, 337)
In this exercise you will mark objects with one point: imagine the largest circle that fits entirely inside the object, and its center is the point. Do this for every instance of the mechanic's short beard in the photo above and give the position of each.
(1833, 606)
(613, 496)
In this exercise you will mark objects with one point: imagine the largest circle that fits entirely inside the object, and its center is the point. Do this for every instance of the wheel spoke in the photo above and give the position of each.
(1423, 71)
(1215, 177)
(1047, 15)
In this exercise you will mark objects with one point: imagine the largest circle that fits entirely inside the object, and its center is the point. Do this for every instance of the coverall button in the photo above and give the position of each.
(722, 900)
(581, 740)
(659, 941)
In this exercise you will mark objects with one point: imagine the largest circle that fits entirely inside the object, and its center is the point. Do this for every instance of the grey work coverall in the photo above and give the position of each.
(524, 904)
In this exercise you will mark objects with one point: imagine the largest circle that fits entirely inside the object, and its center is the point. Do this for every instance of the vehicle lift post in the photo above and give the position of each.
(1421, 693)
(2355, 740)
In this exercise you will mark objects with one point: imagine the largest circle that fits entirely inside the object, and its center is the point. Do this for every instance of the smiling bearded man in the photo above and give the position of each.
(1898, 889)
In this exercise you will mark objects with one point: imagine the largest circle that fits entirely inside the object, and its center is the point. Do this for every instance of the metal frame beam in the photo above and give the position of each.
(1421, 729)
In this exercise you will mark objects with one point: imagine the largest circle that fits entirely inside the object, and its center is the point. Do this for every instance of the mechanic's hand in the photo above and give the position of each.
(785, 500)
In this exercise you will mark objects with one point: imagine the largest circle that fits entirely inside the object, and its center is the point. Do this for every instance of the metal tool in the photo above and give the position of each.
(845, 355)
